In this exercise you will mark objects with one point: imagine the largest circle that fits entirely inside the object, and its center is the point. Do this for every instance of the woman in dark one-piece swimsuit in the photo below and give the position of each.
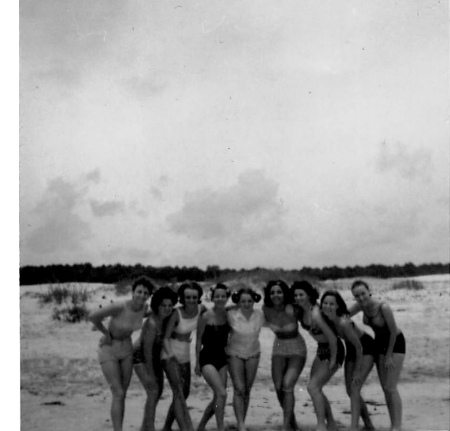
(390, 346)
(212, 337)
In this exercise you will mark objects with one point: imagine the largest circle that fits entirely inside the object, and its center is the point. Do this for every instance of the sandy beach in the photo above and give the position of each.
(62, 388)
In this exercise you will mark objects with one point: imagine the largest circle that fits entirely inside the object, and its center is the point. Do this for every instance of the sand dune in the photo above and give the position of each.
(62, 388)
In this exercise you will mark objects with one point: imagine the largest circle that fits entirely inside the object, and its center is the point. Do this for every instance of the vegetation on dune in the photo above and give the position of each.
(73, 300)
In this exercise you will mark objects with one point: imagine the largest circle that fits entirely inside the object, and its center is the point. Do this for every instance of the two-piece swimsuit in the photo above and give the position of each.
(139, 355)
(288, 341)
(125, 323)
(214, 342)
(323, 348)
(179, 342)
(383, 334)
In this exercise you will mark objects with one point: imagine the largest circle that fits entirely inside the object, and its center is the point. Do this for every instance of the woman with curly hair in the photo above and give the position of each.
(330, 351)
(212, 338)
(176, 353)
(390, 346)
(147, 354)
(115, 352)
(359, 359)
(289, 348)
(243, 349)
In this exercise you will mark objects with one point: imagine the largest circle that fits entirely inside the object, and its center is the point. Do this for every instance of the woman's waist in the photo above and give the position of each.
(287, 335)
(185, 337)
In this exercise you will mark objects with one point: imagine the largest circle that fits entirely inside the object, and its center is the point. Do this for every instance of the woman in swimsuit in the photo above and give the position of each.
(330, 351)
(147, 354)
(175, 356)
(389, 344)
(115, 350)
(289, 348)
(359, 359)
(243, 349)
(212, 338)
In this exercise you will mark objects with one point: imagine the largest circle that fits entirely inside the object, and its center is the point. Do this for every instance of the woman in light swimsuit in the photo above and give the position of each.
(212, 338)
(389, 344)
(359, 358)
(175, 356)
(147, 353)
(115, 350)
(330, 351)
(289, 348)
(243, 349)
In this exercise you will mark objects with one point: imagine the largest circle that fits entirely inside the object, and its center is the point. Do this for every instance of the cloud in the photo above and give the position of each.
(108, 208)
(409, 163)
(94, 176)
(247, 211)
(59, 227)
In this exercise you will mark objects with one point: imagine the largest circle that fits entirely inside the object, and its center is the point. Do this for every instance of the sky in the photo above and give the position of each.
(238, 133)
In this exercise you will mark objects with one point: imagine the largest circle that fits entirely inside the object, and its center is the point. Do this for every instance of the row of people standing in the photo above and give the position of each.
(228, 341)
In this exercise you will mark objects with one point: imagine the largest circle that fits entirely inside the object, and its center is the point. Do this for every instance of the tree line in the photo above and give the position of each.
(111, 274)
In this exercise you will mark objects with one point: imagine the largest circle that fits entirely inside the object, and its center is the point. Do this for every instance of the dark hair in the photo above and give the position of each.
(143, 281)
(220, 286)
(160, 295)
(236, 296)
(358, 283)
(341, 305)
(189, 285)
(308, 288)
(284, 288)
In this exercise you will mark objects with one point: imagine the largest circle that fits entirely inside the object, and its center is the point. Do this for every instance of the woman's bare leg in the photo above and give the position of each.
(218, 382)
(389, 379)
(153, 390)
(179, 378)
(118, 375)
(320, 375)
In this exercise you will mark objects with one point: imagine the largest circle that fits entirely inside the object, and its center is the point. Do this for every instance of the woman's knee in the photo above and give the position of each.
(240, 390)
(118, 392)
(313, 388)
(221, 393)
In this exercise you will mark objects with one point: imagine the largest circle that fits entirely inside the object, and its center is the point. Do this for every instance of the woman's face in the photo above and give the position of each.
(190, 298)
(141, 294)
(220, 298)
(361, 294)
(300, 297)
(329, 306)
(246, 301)
(277, 295)
(165, 308)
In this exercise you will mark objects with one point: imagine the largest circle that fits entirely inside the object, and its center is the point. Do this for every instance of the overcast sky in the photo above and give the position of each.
(234, 133)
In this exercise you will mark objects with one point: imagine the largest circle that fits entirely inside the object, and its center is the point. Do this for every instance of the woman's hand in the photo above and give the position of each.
(106, 339)
(198, 370)
(389, 361)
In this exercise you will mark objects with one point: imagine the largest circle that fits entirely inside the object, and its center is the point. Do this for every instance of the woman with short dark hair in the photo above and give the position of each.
(147, 354)
(115, 352)
(289, 348)
(175, 356)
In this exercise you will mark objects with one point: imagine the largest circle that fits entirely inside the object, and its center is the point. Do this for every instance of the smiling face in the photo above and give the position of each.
(361, 294)
(141, 294)
(246, 302)
(165, 308)
(329, 306)
(190, 298)
(300, 297)
(219, 298)
(277, 295)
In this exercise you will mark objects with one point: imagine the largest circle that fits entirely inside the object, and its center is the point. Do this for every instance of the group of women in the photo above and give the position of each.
(227, 342)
